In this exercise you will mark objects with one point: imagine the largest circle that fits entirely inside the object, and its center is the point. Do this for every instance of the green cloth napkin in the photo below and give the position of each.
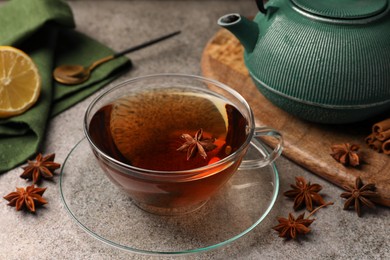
(44, 29)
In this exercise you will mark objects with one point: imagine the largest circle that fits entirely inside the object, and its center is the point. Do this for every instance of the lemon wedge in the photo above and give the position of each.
(20, 83)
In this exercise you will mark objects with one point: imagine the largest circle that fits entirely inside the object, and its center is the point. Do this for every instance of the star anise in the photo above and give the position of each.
(291, 227)
(42, 167)
(197, 144)
(29, 198)
(305, 194)
(346, 154)
(360, 194)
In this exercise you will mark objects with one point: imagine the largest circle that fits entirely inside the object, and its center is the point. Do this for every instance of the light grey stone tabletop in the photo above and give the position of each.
(53, 234)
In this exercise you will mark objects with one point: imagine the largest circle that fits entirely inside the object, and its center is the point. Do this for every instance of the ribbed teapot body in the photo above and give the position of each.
(323, 68)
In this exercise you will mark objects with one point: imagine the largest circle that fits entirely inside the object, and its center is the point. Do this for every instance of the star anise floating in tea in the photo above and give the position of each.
(29, 198)
(305, 194)
(42, 167)
(346, 154)
(291, 227)
(359, 195)
(197, 144)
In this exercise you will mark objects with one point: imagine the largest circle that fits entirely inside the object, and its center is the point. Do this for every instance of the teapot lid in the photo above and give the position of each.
(342, 9)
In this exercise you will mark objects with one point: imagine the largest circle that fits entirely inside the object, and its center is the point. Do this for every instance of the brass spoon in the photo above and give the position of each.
(76, 74)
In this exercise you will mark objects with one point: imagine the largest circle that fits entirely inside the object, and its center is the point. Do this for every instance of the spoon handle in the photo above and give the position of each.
(101, 61)
(131, 49)
(145, 44)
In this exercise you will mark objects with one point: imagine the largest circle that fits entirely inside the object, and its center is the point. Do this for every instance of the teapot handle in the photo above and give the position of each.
(260, 6)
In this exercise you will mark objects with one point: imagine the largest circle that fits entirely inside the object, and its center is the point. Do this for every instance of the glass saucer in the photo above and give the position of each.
(108, 214)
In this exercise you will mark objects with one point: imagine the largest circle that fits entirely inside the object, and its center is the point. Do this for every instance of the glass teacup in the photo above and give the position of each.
(171, 141)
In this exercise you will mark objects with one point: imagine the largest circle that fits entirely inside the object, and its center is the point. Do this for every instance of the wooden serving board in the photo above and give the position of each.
(308, 144)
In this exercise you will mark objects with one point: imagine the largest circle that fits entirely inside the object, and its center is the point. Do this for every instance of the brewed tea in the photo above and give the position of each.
(146, 129)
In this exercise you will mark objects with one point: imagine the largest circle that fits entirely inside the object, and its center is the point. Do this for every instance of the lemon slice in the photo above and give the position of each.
(20, 83)
(139, 124)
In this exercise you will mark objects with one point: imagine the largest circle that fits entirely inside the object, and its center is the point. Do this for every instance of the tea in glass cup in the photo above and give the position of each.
(171, 141)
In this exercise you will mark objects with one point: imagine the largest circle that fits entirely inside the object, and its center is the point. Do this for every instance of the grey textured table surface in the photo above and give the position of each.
(52, 234)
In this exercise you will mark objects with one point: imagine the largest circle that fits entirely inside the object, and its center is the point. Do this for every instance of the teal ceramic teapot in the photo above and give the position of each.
(323, 61)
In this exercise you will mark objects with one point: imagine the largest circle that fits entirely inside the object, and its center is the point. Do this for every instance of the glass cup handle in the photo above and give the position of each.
(259, 146)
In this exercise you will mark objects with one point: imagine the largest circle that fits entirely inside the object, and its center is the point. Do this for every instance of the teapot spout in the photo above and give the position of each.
(244, 29)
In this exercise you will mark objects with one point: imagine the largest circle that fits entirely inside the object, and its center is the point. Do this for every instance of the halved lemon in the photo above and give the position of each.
(20, 83)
